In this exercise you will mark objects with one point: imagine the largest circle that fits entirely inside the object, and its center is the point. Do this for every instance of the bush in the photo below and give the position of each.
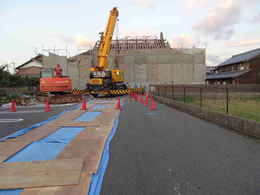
(9, 80)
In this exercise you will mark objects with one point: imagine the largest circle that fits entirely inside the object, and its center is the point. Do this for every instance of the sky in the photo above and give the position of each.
(223, 27)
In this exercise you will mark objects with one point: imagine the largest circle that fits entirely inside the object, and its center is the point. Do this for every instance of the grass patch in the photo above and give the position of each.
(248, 108)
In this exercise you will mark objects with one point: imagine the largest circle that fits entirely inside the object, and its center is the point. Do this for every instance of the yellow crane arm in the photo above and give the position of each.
(105, 42)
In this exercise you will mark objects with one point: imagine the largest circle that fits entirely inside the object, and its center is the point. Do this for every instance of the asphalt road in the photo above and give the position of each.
(170, 152)
(30, 116)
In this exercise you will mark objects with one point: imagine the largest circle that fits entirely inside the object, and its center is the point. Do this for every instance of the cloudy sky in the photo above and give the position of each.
(224, 27)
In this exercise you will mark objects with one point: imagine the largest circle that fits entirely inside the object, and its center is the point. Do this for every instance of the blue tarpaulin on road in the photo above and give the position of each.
(97, 179)
(102, 107)
(47, 148)
(87, 116)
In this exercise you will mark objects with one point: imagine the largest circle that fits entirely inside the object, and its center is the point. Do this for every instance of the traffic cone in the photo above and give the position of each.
(84, 105)
(118, 104)
(13, 106)
(136, 97)
(47, 106)
(146, 100)
(153, 104)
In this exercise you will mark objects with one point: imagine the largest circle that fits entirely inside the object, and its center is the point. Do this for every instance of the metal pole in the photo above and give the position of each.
(227, 101)
(201, 97)
(184, 94)
(172, 90)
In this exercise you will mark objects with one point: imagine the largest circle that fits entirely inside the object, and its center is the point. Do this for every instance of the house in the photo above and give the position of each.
(31, 68)
(243, 68)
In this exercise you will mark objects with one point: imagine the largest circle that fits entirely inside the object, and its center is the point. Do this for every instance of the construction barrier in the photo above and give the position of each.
(79, 91)
(120, 91)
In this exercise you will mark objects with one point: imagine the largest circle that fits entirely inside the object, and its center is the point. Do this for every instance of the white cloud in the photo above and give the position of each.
(82, 41)
(141, 33)
(221, 20)
(256, 19)
(214, 60)
(186, 41)
(144, 3)
(182, 41)
(244, 43)
(76, 41)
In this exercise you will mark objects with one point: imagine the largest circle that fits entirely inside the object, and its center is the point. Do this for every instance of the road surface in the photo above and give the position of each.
(26, 117)
(170, 152)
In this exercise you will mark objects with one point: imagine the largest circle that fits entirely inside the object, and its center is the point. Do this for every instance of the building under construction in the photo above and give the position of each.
(145, 60)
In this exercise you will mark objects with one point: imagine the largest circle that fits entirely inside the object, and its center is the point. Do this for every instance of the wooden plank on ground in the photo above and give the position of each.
(81, 189)
(89, 150)
(7, 149)
(40, 173)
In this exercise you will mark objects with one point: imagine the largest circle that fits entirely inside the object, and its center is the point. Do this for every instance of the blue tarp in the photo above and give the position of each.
(87, 116)
(47, 148)
(102, 107)
(97, 179)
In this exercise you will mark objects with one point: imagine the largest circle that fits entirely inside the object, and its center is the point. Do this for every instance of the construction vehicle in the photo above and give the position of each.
(57, 84)
(105, 81)
(57, 88)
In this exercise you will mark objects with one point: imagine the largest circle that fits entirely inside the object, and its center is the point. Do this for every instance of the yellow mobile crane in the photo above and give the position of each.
(102, 80)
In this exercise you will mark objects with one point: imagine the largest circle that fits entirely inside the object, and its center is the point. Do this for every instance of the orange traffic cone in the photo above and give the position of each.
(13, 106)
(153, 104)
(84, 105)
(118, 104)
(47, 106)
(136, 97)
(146, 100)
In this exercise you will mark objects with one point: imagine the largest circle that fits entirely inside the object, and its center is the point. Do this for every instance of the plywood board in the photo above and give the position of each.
(81, 189)
(7, 149)
(89, 150)
(81, 124)
(40, 173)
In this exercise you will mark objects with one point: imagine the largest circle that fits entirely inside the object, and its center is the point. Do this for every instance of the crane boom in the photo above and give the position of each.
(106, 40)
(103, 80)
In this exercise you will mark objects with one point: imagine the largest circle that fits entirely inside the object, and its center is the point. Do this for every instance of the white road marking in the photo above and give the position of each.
(23, 112)
(7, 120)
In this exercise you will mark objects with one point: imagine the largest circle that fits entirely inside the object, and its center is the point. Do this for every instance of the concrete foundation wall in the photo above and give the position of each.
(147, 66)
(52, 60)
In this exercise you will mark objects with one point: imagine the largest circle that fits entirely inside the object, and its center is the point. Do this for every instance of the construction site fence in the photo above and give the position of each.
(241, 100)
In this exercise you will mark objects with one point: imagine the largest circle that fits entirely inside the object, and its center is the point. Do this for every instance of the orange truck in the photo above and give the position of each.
(57, 84)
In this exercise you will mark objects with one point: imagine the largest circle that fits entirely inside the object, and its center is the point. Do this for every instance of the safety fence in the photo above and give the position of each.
(237, 100)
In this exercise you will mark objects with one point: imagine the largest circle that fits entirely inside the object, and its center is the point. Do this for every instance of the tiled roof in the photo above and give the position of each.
(226, 75)
(35, 58)
(241, 57)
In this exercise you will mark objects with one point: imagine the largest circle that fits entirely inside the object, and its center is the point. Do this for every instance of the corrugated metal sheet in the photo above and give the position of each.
(242, 57)
(226, 75)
